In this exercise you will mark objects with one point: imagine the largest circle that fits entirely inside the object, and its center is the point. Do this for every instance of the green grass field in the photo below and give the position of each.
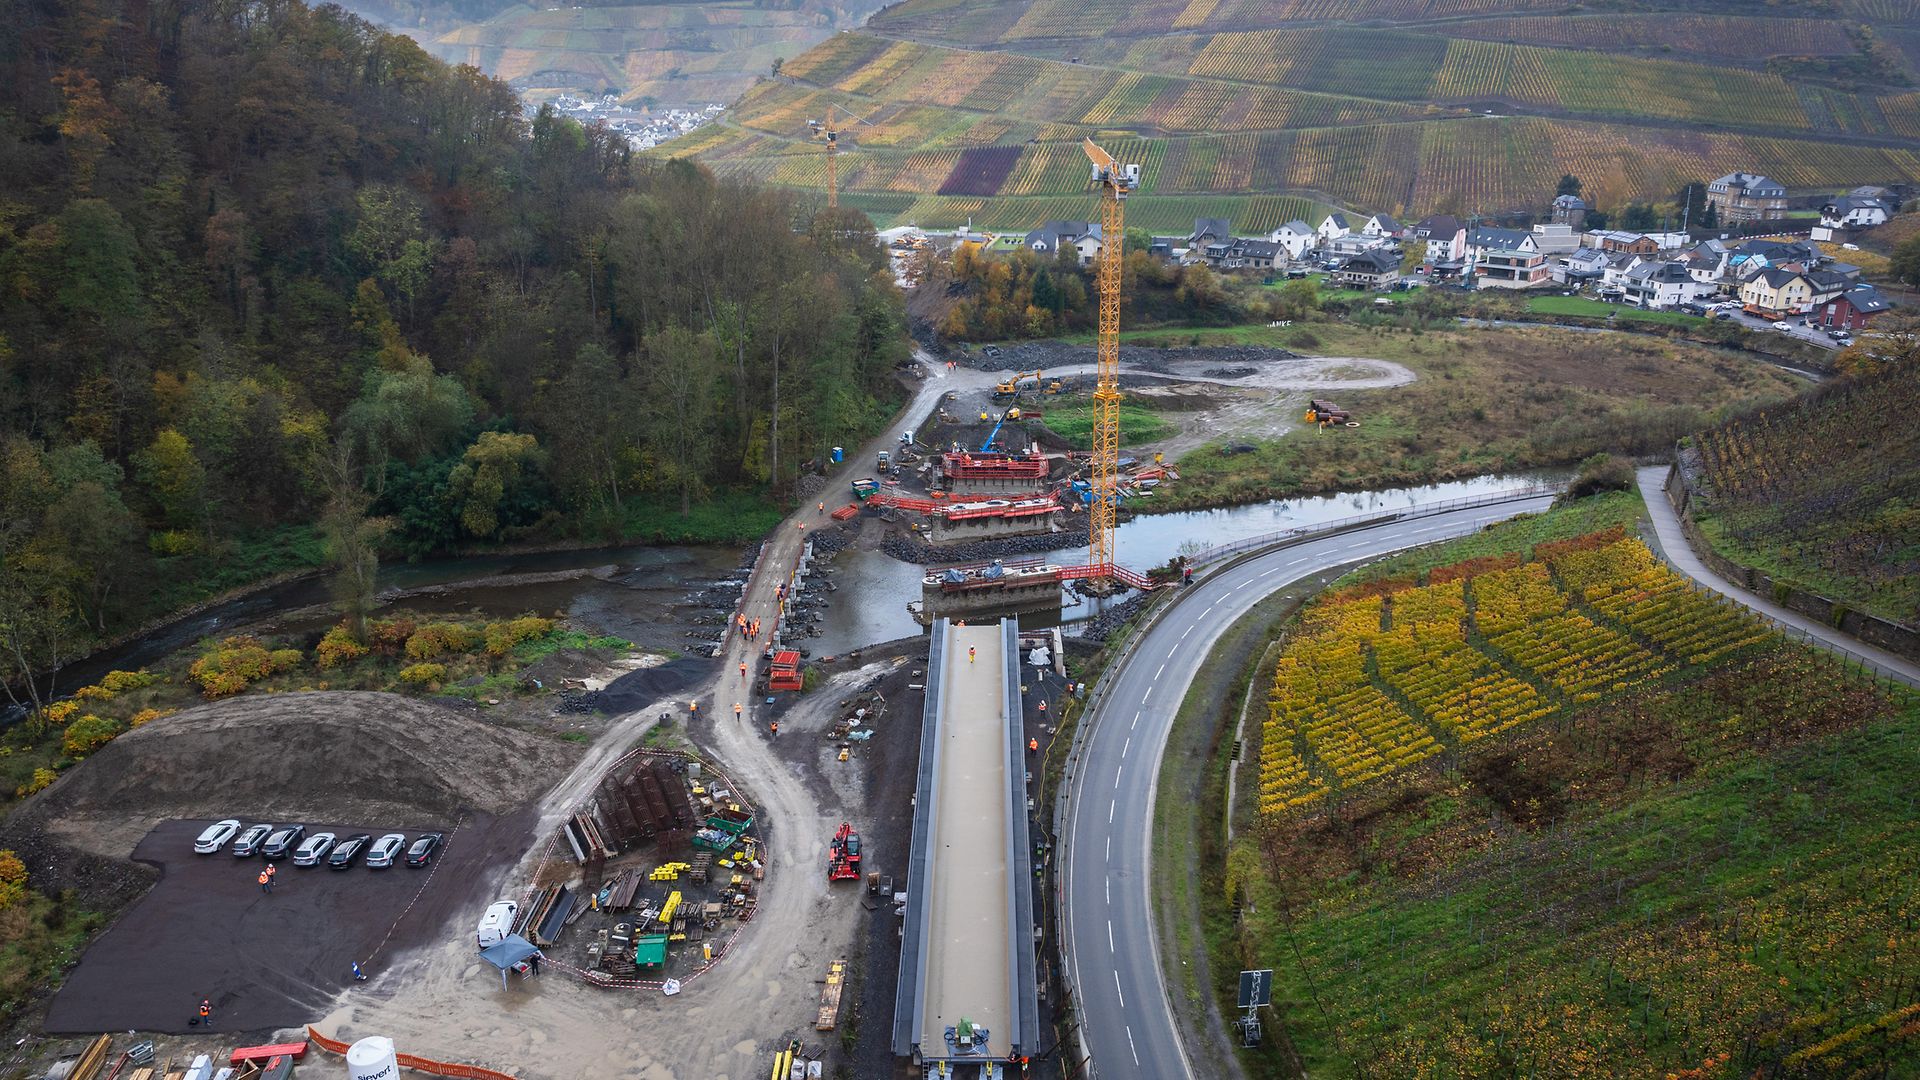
(1597, 309)
(1138, 424)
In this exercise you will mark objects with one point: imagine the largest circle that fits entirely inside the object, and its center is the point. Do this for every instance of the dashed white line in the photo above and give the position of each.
(1116, 776)
(1135, 724)
(1184, 633)
(1109, 847)
(1126, 746)
(1161, 670)
(1133, 1048)
(1110, 947)
(1117, 990)
(1110, 807)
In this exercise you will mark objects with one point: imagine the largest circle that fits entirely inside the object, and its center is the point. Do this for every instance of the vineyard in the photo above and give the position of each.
(1457, 869)
(1252, 98)
(1375, 684)
(1823, 492)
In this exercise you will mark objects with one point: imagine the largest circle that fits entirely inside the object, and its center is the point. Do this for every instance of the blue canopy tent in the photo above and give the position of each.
(510, 952)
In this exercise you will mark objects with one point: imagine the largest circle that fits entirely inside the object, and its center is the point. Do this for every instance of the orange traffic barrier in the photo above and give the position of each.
(418, 1064)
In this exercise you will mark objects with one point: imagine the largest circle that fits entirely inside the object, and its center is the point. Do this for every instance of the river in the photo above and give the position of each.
(871, 603)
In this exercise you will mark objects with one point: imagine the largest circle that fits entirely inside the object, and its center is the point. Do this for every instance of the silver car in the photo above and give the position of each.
(315, 850)
(250, 841)
(385, 850)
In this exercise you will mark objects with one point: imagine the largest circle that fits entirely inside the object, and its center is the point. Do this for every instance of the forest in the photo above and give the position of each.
(277, 288)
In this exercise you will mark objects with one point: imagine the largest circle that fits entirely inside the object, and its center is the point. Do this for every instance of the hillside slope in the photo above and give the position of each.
(1825, 491)
(1402, 106)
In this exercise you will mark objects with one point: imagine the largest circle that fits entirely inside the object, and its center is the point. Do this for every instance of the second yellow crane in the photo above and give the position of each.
(1115, 181)
(830, 131)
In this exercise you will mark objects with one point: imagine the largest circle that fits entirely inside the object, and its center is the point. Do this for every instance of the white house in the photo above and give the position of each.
(1661, 285)
(1506, 259)
(1081, 238)
(1619, 265)
(1355, 243)
(1295, 236)
(1381, 225)
(1334, 227)
(1445, 237)
(1707, 262)
(1555, 239)
(1850, 212)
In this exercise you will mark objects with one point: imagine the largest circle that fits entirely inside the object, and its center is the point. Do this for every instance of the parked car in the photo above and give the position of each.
(425, 846)
(250, 841)
(1783, 325)
(316, 848)
(348, 851)
(215, 836)
(497, 923)
(283, 842)
(382, 852)
(1839, 335)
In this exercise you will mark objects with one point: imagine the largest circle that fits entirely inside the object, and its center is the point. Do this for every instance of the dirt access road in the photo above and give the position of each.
(439, 1001)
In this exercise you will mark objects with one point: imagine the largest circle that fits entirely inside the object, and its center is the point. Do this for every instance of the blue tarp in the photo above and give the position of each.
(512, 950)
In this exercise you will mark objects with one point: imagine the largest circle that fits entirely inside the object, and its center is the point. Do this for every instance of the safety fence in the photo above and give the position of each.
(416, 1063)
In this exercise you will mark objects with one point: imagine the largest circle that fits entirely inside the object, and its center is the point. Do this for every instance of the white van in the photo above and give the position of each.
(497, 923)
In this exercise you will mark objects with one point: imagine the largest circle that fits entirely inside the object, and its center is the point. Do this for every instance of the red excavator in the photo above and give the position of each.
(843, 855)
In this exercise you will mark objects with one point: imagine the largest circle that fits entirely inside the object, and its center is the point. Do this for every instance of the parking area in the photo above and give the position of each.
(267, 960)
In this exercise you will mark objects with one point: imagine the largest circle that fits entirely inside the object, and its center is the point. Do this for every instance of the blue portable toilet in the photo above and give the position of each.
(839, 455)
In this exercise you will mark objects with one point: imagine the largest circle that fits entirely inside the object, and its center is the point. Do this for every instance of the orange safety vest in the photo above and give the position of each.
(263, 877)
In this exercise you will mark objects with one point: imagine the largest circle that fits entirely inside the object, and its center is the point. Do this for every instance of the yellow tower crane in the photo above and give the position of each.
(1115, 181)
(830, 131)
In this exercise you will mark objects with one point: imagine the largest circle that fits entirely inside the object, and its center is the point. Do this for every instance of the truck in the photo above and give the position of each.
(843, 855)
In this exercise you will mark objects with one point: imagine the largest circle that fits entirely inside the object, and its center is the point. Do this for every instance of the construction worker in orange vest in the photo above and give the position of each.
(266, 882)
(736, 710)
(775, 728)
(743, 669)
(1033, 746)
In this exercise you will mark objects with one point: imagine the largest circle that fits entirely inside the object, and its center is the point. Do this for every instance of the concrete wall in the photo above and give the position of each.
(942, 531)
(1893, 637)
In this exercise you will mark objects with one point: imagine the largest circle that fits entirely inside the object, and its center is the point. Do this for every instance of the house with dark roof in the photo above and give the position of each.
(1209, 231)
(1741, 197)
(1656, 285)
(1381, 225)
(1570, 210)
(1506, 259)
(1852, 310)
(1776, 292)
(1372, 269)
(1296, 236)
(1620, 240)
(1080, 240)
(1850, 213)
(1707, 262)
(1580, 266)
(1334, 226)
(1445, 237)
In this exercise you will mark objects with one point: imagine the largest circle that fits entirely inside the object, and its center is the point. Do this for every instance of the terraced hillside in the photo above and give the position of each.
(1431, 105)
(1548, 811)
(1824, 491)
(673, 53)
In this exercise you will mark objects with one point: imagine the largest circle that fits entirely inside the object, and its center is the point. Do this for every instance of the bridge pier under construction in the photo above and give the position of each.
(967, 1001)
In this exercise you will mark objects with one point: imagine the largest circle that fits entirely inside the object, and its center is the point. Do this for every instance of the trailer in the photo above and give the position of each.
(785, 671)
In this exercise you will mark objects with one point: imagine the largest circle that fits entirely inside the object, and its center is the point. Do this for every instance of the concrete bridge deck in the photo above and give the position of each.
(967, 951)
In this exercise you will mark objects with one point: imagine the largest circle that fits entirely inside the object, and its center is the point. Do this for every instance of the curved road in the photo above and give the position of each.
(1112, 950)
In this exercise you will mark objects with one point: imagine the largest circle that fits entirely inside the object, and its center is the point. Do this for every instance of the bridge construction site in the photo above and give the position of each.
(967, 997)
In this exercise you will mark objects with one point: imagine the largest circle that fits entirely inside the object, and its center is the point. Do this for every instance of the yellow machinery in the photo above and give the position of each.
(1011, 387)
(830, 131)
(667, 909)
(1115, 182)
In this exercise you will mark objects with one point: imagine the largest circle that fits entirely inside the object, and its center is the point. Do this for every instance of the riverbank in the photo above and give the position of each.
(1485, 401)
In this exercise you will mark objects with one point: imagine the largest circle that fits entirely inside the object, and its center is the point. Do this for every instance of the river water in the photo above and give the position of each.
(644, 598)
(871, 604)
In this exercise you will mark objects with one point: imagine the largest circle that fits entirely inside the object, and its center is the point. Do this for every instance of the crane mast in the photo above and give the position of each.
(1115, 181)
(829, 130)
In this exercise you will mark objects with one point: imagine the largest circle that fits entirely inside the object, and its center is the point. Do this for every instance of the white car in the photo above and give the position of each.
(314, 850)
(216, 836)
(385, 850)
(1783, 325)
(496, 924)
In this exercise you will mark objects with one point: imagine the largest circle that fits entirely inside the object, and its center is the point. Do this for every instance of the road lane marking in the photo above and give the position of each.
(1130, 1046)
(1184, 633)
(1117, 990)
(1110, 947)
(1110, 807)
(1109, 847)
(1116, 776)
(1135, 724)
(1126, 746)
(1161, 670)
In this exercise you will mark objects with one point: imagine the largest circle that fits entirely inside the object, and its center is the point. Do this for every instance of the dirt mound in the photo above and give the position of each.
(639, 689)
(283, 757)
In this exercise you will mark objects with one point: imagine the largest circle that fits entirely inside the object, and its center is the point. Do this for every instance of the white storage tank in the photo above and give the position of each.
(372, 1058)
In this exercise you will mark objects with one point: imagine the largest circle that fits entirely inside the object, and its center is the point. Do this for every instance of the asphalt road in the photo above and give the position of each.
(1111, 946)
(1799, 329)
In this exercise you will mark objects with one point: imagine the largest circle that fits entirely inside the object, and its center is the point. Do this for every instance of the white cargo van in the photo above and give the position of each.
(497, 923)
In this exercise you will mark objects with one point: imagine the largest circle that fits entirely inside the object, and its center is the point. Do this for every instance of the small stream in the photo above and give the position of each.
(871, 604)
